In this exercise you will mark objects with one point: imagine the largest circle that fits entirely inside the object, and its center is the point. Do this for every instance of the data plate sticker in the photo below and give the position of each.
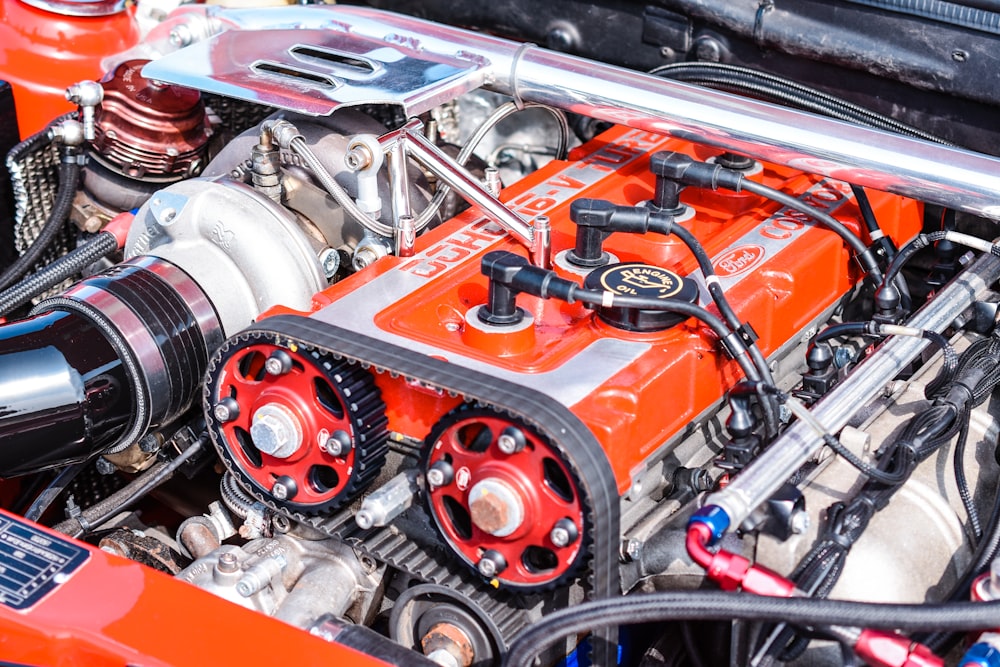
(33, 563)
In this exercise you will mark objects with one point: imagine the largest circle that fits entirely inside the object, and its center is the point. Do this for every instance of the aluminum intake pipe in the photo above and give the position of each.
(953, 177)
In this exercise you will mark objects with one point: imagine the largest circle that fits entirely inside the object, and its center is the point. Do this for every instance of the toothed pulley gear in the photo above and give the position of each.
(302, 430)
(504, 499)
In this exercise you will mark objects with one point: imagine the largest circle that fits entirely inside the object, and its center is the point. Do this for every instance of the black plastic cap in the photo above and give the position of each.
(819, 357)
(641, 280)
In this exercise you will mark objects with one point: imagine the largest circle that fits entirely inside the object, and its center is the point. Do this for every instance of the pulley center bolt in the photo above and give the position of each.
(276, 431)
(448, 645)
(495, 507)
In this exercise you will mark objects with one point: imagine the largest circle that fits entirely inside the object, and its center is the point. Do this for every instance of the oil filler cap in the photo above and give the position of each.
(645, 281)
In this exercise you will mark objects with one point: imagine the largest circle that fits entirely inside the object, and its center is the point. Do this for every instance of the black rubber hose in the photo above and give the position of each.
(907, 252)
(986, 551)
(843, 329)
(871, 224)
(864, 255)
(52, 491)
(867, 214)
(962, 482)
(872, 472)
(732, 342)
(65, 267)
(97, 514)
(69, 176)
(879, 238)
(728, 314)
(701, 605)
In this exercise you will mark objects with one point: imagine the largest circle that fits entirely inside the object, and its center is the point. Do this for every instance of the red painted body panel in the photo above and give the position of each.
(113, 612)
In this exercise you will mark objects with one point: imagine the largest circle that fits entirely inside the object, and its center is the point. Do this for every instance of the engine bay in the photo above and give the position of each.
(427, 344)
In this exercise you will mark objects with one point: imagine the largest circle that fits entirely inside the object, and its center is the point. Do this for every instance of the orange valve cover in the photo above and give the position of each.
(635, 389)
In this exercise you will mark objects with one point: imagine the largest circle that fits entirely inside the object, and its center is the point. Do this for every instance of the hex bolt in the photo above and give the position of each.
(228, 563)
(281, 524)
(440, 474)
(245, 587)
(631, 550)
(559, 39)
(226, 410)
(358, 157)
(365, 519)
(564, 533)
(278, 363)
(708, 49)
(339, 444)
(799, 522)
(276, 430)
(496, 507)
(444, 658)
(284, 488)
(491, 564)
(167, 215)
(364, 258)
(150, 443)
(180, 36)
(388, 501)
(329, 259)
(511, 440)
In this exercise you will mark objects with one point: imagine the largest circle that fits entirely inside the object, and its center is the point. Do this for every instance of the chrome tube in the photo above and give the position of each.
(403, 227)
(952, 177)
(541, 244)
(765, 474)
(467, 185)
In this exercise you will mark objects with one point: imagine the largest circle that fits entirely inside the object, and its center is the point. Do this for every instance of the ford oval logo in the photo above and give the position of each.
(738, 260)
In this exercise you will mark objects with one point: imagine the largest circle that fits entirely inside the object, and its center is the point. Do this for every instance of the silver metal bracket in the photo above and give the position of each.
(314, 72)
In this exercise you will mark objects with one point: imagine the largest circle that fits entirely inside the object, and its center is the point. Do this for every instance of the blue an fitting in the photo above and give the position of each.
(716, 519)
(980, 655)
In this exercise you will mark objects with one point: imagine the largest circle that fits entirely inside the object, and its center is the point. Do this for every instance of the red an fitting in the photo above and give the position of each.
(119, 226)
(883, 649)
(732, 571)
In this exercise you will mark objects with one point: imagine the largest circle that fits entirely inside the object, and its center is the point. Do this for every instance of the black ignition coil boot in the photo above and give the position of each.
(675, 170)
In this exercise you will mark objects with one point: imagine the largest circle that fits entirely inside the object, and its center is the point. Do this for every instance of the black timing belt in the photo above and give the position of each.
(565, 431)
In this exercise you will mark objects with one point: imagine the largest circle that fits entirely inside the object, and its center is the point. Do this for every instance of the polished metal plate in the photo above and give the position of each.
(316, 71)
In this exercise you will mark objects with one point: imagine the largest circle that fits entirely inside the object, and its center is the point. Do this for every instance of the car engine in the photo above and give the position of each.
(408, 332)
